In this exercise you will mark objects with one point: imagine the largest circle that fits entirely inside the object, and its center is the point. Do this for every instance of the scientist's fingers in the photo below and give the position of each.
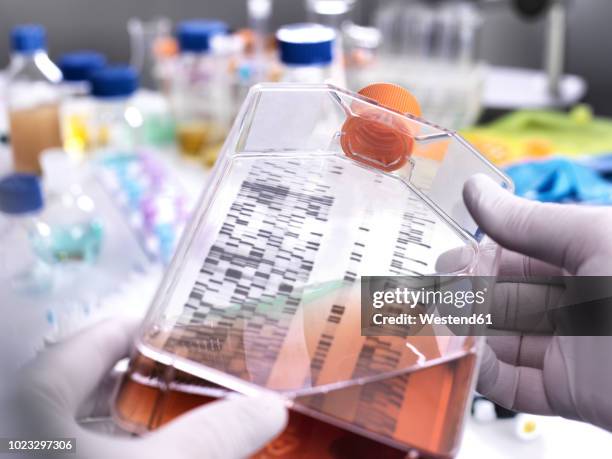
(513, 387)
(520, 351)
(454, 260)
(550, 232)
(231, 428)
(523, 307)
(511, 264)
(67, 373)
(523, 267)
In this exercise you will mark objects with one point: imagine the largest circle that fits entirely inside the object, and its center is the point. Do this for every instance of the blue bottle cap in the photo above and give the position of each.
(116, 81)
(79, 65)
(306, 44)
(20, 193)
(28, 38)
(195, 35)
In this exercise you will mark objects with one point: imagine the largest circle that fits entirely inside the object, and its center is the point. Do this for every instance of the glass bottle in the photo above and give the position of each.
(77, 106)
(20, 204)
(32, 98)
(201, 92)
(117, 120)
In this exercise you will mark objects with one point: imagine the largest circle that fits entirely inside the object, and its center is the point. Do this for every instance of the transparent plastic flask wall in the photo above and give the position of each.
(33, 98)
(315, 188)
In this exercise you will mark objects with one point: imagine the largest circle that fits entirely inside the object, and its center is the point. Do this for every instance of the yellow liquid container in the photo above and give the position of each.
(76, 136)
(77, 106)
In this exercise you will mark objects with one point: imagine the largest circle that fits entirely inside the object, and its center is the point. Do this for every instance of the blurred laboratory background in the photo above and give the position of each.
(507, 37)
(113, 113)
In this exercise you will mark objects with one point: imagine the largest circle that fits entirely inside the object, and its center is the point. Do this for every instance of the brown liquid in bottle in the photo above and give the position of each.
(32, 131)
(423, 410)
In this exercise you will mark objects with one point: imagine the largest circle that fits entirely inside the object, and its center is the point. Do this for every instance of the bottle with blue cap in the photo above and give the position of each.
(77, 68)
(21, 204)
(117, 121)
(307, 52)
(33, 98)
(201, 90)
(77, 105)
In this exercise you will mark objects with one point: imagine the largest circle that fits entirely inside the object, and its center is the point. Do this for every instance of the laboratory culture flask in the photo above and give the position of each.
(317, 187)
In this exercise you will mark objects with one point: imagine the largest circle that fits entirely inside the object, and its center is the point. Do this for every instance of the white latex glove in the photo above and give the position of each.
(56, 385)
(562, 375)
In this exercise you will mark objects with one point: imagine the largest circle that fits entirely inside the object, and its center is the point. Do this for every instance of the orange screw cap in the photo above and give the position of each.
(372, 137)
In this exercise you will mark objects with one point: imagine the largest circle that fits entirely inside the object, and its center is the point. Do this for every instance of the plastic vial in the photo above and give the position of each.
(77, 105)
(75, 232)
(33, 98)
(201, 91)
(117, 120)
(307, 53)
(21, 203)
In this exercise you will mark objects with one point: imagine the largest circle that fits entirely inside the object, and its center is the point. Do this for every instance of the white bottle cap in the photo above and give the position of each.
(484, 410)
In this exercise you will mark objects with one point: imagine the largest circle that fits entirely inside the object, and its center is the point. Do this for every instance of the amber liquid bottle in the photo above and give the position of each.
(33, 130)
(427, 410)
(32, 98)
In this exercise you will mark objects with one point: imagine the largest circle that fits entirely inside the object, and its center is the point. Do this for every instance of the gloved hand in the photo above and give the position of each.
(570, 376)
(56, 385)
